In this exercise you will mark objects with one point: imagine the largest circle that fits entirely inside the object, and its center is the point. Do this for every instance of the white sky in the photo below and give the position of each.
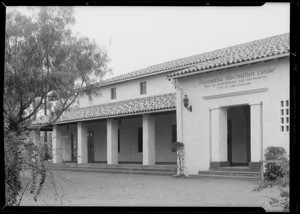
(137, 37)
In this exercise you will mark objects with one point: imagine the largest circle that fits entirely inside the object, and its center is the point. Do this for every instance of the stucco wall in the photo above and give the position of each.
(156, 85)
(270, 87)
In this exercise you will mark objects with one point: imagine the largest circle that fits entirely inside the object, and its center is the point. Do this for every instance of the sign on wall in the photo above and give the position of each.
(236, 80)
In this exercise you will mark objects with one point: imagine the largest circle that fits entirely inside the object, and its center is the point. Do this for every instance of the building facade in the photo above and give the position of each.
(227, 106)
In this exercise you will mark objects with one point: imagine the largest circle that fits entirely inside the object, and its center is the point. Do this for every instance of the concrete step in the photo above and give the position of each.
(230, 173)
(109, 170)
(212, 176)
(231, 168)
(112, 167)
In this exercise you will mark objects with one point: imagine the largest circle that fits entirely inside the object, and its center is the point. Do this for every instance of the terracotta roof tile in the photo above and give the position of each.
(140, 105)
(259, 49)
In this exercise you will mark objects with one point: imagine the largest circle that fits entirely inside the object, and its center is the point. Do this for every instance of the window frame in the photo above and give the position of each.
(113, 93)
(143, 87)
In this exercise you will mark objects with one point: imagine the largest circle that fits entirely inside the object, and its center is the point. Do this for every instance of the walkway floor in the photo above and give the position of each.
(102, 189)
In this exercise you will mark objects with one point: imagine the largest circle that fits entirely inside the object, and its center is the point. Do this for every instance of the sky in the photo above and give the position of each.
(137, 37)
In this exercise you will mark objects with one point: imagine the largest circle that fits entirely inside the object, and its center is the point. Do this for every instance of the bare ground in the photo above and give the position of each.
(67, 188)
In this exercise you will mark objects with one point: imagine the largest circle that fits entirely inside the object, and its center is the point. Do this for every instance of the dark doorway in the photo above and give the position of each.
(73, 147)
(90, 146)
(238, 135)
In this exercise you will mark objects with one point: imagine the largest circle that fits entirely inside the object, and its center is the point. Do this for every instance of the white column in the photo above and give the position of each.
(112, 141)
(37, 137)
(219, 134)
(256, 132)
(179, 115)
(148, 140)
(56, 145)
(82, 143)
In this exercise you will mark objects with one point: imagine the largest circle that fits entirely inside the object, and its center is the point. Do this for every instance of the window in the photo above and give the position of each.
(140, 139)
(113, 93)
(119, 141)
(284, 108)
(143, 88)
(174, 136)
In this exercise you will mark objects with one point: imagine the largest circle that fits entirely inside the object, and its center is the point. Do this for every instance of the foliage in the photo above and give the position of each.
(12, 162)
(43, 59)
(274, 170)
(278, 175)
(180, 158)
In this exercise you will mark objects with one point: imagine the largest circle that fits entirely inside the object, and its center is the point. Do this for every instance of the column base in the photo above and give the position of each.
(216, 165)
(255, 166)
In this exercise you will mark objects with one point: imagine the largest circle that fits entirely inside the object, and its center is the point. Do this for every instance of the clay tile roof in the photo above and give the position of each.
(122, 108)
(271, 46)
(274, 46)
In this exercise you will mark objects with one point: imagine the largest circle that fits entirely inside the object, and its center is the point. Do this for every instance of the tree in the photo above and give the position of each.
(43, 59)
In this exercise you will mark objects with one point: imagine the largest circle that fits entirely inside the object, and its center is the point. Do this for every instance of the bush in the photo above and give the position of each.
(277, 175)
(177, 145)
(274, 171)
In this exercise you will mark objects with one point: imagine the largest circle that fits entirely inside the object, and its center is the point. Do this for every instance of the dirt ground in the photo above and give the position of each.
(67, 188)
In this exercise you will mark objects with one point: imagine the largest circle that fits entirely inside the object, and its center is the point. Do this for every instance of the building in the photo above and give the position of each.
(226, 106)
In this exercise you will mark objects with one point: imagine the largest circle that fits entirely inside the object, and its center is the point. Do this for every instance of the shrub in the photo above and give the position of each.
(277, 175)
(274, 170)
(177, 145)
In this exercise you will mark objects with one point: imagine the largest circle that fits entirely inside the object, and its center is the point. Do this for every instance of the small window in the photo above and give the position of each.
(113, 93)
(174, 136)
(140, 139)
(284, 104)
(143, 87)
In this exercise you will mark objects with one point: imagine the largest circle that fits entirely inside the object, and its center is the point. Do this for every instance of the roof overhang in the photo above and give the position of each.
(229, 66)
(128, 108)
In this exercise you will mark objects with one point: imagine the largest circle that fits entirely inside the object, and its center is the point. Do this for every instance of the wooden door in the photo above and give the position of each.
(90, 146)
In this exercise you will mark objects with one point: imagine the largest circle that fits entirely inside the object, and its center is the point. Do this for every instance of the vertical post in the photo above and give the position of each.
(256, 133)
(112, 141)
(82, 143)
(148, 140)
(219, 135)
(179, 123)
(56, 145)
(179, 115)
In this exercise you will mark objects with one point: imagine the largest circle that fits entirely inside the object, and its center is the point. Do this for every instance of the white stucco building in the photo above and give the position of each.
(238, 105)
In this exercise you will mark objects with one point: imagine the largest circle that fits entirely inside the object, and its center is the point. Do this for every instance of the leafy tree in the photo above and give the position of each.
(43, 59)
